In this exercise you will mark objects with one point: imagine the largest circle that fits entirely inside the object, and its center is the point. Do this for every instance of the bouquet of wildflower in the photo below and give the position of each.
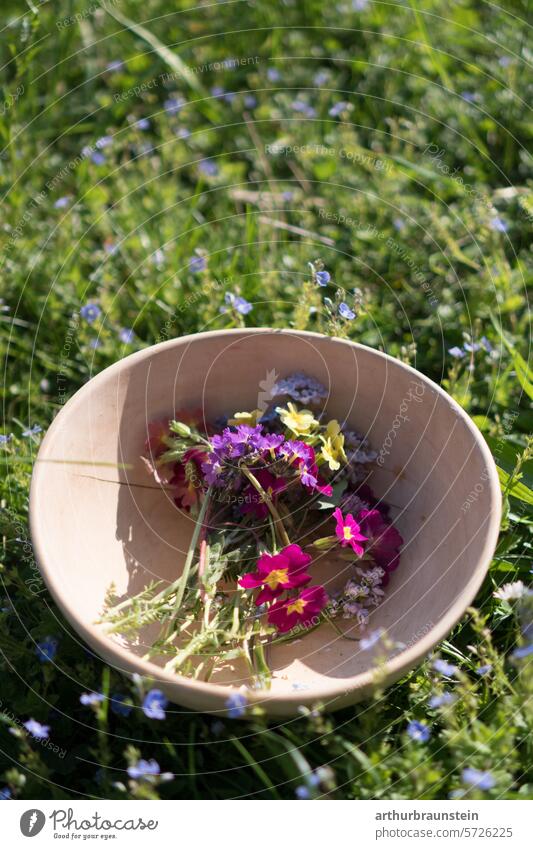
(274, 494)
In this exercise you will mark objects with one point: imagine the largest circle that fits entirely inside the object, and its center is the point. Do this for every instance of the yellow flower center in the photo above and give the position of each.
(277, 576)
(347, 532)
(297, 606)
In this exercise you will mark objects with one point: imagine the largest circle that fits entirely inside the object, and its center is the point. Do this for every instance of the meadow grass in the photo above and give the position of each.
(390, 141)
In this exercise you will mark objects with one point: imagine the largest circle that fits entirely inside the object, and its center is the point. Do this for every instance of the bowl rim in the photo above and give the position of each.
(124, 660)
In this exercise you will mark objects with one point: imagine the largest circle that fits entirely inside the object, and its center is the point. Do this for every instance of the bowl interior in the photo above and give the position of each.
(95, 524)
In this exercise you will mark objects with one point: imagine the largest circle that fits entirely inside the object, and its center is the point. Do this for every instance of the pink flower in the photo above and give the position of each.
(348, 532)
(278, 572)
(272, 485)
(302, 610)
(384, 540)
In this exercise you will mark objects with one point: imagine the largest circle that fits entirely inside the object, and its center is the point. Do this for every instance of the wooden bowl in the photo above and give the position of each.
(95, 524)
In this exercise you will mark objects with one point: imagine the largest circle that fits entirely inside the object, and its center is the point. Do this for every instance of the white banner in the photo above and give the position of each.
(357, 824)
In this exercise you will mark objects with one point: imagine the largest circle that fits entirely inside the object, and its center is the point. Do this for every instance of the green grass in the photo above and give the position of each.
(397, 196)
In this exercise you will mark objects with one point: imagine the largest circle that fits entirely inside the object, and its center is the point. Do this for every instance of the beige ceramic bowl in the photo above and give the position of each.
(95, 524)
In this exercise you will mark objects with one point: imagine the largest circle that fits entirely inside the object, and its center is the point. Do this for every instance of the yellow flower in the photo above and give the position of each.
(246, 418)
(333, 446)
(298, 421)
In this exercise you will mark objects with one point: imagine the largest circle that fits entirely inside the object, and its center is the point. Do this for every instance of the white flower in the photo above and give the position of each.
(510, 592)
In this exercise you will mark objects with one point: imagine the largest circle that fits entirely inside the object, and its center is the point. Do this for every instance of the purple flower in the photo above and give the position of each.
(154, 704)
(322, 277)
(5, 438)
(250, 101)
(236, 705)
(115, 65)
(126, 335)
(456, 352)
(445, 668)
(369, 642)
(40, 732)
(303, 108)
(104, 141)
(469, 96)
(97, 158)
(484, 670)
(91, 698)
(90, 312)
(142, 124)
(241, 305)
(418, 731)
(119, 705)
(302, 388)
(197, 264)
(504, 61)
(477, 778)
(498, 224)
(273, 75)
(32, 431)
(5, 793)
(472, 347)
(302, 792)
(144, 769)
(61, 203)
(173, 105)
(46, 649)
(486, 344)
(208, 167)
(441, 700)
(523, 651)
(338, 108)
(346, 312)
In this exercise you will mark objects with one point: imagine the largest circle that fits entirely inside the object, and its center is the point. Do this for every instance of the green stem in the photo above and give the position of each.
(282, 533)
(192, 548)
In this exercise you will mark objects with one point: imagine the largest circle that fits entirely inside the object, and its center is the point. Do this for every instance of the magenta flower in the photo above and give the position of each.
(278, 572)
(349, 532)
(253, 502)
(302, 610)
(384, 541)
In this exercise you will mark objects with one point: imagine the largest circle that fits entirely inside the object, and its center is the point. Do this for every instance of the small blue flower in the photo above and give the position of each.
(144, 769)
(469, 96)
(444, 667)
(95, 344)
(104, 141)
(477, 778)
(273, 75)
(154, 704)
(32, 431)
(373, 639)
(322, 277)
(498, 224)
(523, 651)
(46, 649)
(218, 91)
(197, 264)
(91, 698)
(338, 108)
(115, 65)
(484, 670)
(441, 699)
(504, 61)
(119, 705)
(359, 5)
(346, 312)
(456, 352)
(321, 78)
(5, 438)
(173, 105)
(241, 305)
(61, 203)
(486, 344)
(250, 101)
(142, 124)
(208, 167)
(97, 158)
(398, 223)
(303, 108)
(472, 347)
(5, 793)
(40, 732)
(418, 731)
(236, 705)
(126, 335)
(183, 133)
(302, 792)
(90, 312)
